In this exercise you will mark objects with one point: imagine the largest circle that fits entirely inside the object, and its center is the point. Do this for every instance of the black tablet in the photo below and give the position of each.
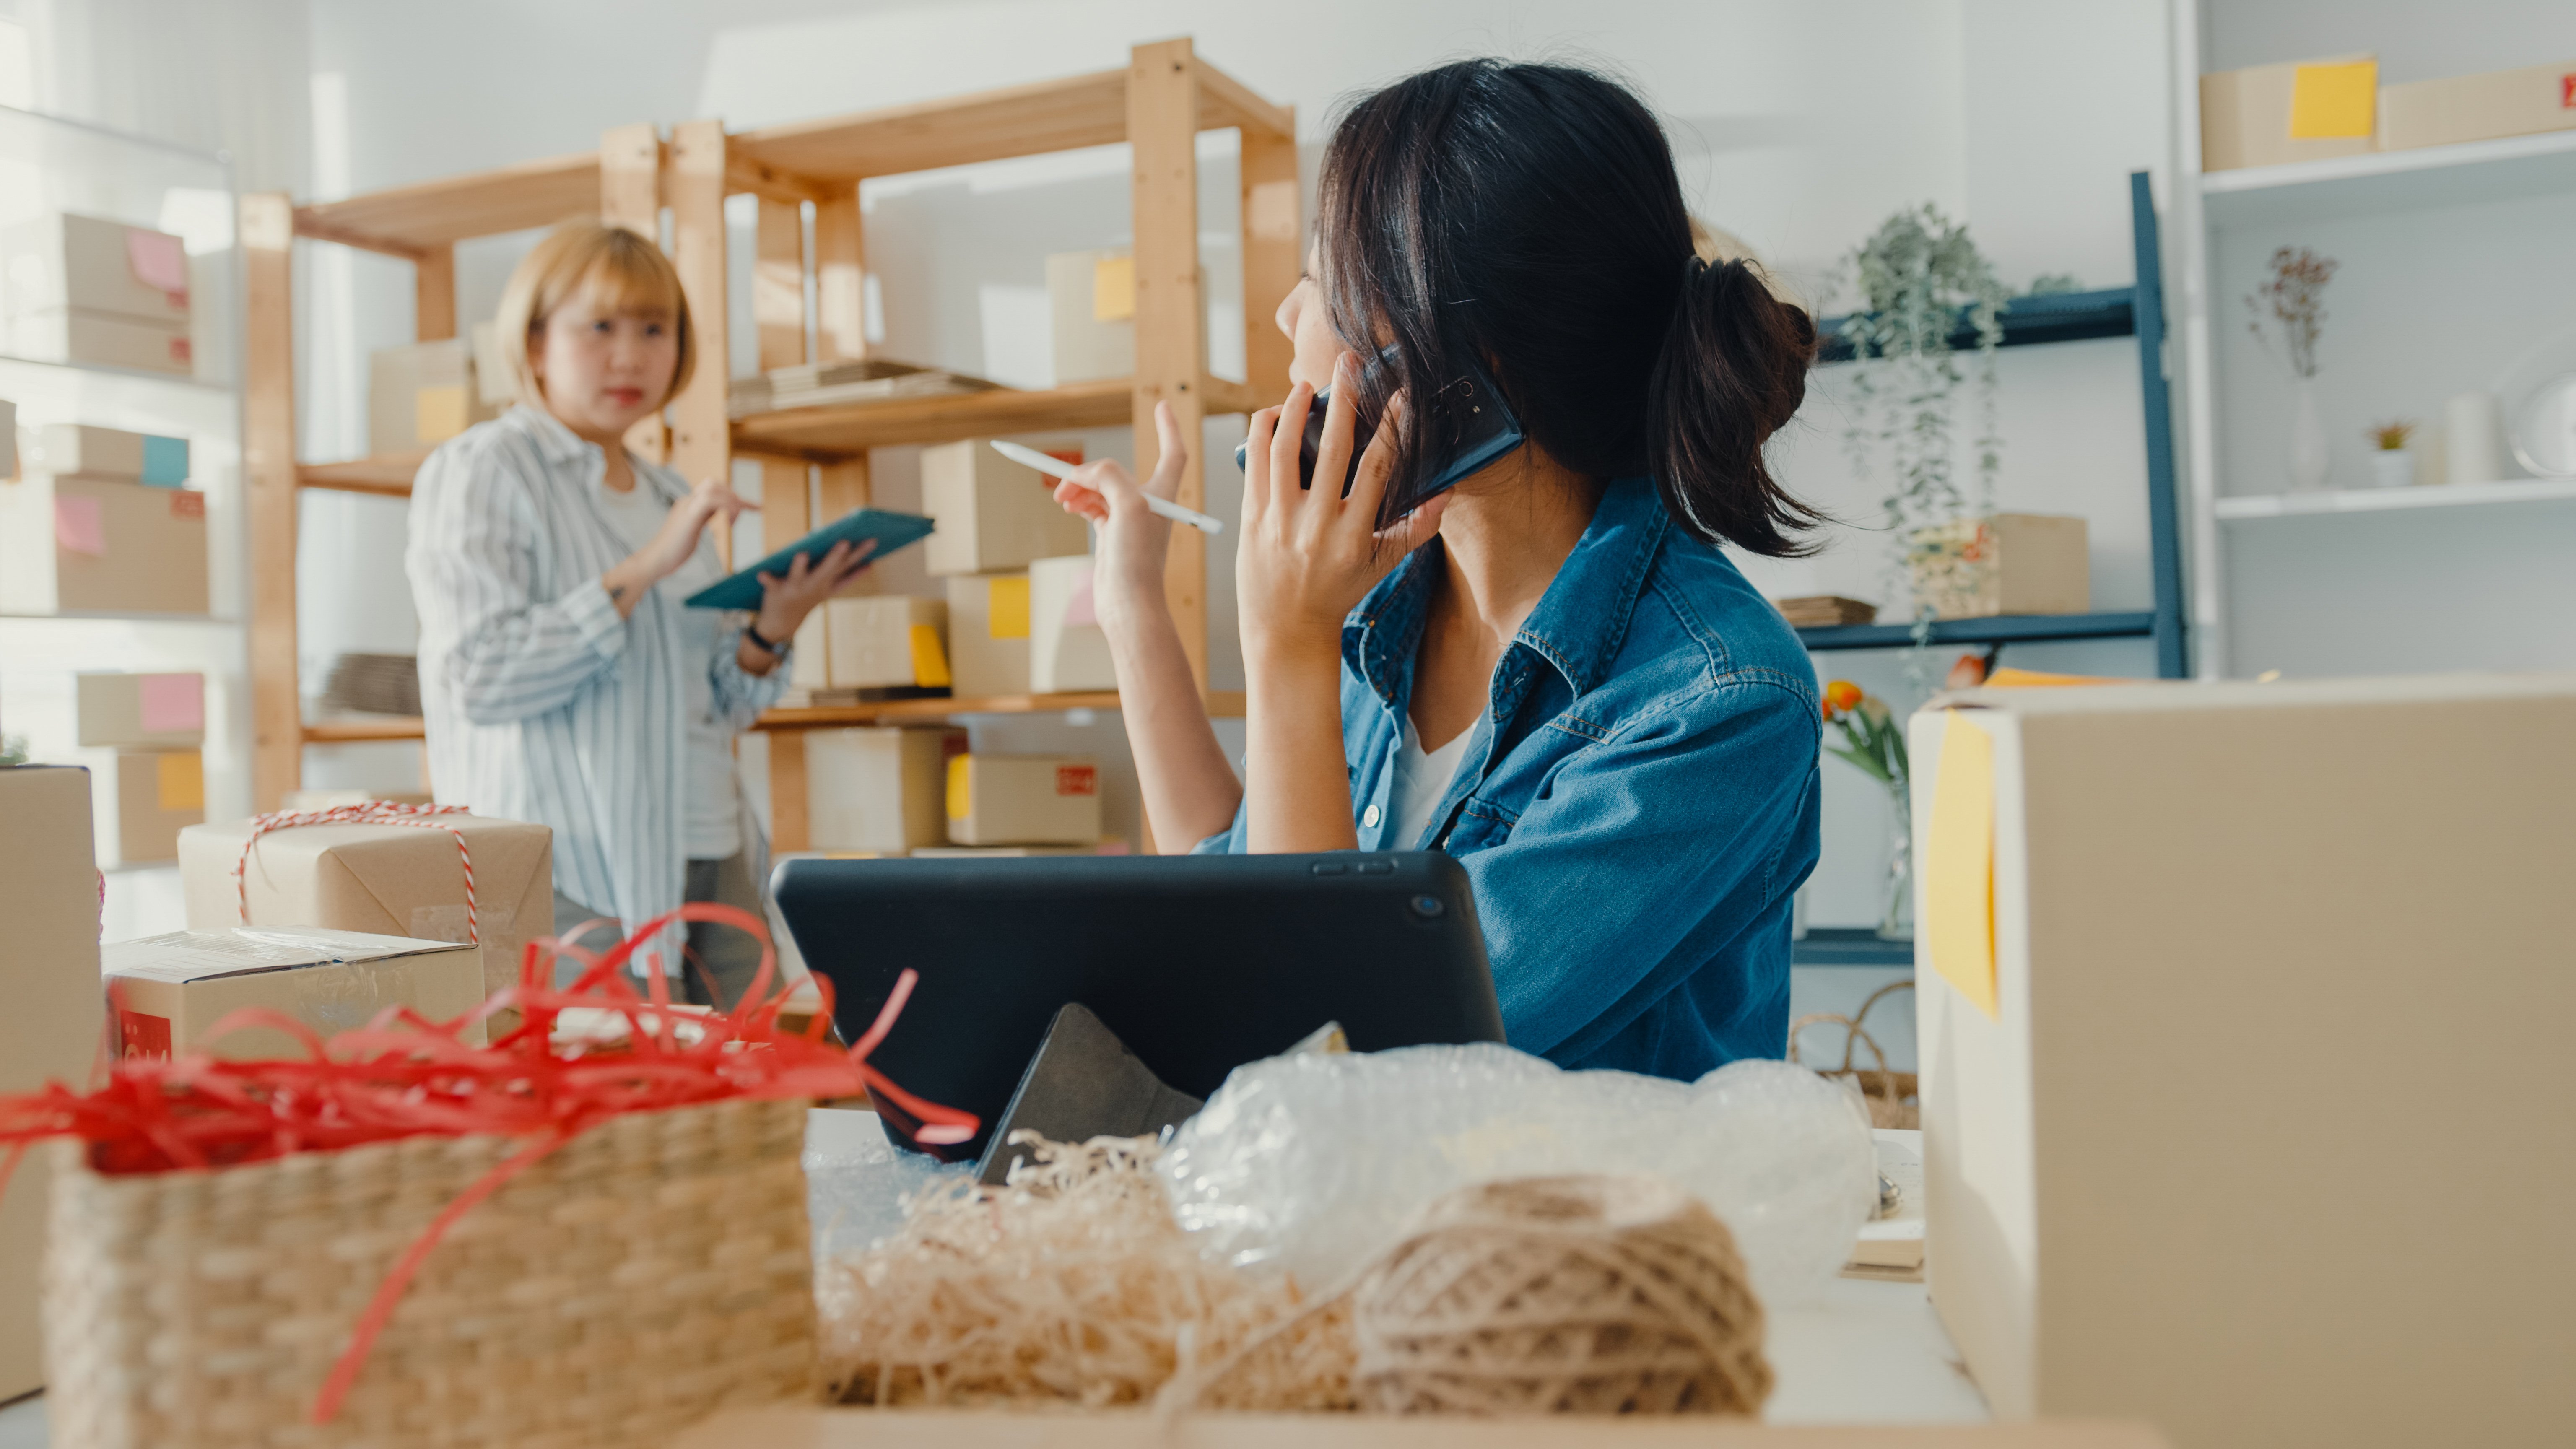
(1199, 963)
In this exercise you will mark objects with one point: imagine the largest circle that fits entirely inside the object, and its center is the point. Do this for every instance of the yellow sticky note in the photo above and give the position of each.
(2329, 101)
(183, 781)
(1007, 613)
(1959, 863)
(929, 658)
(437, 414)
(961, 793)
(1113, 289)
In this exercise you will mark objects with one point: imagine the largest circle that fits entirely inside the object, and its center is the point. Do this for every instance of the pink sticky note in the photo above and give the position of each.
(158, 261)
(79, 527)
(1078, 609)
(173, 702)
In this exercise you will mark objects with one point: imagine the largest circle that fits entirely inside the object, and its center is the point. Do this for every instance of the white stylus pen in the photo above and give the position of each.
(1059, 468)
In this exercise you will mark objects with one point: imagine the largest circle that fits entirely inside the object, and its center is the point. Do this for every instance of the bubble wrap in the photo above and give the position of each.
(1316, 1163)
(857, 1182)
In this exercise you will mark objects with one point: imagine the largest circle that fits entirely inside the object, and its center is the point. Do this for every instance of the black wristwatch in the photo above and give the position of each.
(774, 651)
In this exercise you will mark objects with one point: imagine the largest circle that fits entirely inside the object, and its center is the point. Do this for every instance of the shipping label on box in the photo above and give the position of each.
(879, 790)
(882, 641)
(92, 264)
(1023, 800)
(422, 395)
(2486, 107)
(50, 1032)
(2268, 115)
(1068, 652)
(2007, 563)
(167, 991)
(100, 339)
(383, 880)
(994, 515)
(72, 545)
(988, 634)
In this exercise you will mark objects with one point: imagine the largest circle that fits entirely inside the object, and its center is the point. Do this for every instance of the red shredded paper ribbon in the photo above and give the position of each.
(402, 1076)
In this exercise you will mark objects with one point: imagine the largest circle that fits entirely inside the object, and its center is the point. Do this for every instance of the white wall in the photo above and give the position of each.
(1797, 126)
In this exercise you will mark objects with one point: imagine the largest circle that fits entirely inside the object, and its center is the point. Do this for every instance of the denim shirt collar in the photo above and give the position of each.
(1577, 627)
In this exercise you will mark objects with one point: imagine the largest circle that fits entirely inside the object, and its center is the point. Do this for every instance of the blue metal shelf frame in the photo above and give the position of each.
(2137, 311)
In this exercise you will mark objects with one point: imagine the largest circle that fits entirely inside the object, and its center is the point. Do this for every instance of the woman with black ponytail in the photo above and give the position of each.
(1550, 671)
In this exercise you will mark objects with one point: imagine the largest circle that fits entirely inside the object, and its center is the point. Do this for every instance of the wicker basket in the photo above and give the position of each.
(1891, 1096)
(649, 1271)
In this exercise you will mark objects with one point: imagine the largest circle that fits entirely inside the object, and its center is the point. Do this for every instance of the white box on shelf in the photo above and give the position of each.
(1068, 653)
(988, 634)
(1091, 299)
(1023, 800)
(111, 453)
(872, 641)
(993, 515)
(100, 339)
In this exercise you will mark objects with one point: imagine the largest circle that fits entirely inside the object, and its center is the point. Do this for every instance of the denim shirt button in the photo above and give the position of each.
(1368, 817)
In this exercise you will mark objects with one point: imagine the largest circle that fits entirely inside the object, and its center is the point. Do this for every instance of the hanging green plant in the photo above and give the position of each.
(1914, 280)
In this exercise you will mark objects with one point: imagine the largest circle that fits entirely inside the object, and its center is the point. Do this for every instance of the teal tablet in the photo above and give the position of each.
(891, 531)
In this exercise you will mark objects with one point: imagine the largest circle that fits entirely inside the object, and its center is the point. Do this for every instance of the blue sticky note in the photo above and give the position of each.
(165, 461)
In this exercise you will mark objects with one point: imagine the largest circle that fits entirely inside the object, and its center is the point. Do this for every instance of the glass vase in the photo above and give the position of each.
(1896, 918)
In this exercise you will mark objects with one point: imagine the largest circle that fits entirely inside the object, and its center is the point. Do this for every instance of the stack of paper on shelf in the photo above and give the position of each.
(821, 384)
(93, 292)
(1825, 611)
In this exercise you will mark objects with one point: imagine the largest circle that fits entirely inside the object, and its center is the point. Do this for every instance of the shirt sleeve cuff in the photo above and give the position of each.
(594, 616)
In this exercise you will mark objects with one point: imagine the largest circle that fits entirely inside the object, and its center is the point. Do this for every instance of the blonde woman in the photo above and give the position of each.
(562, 679)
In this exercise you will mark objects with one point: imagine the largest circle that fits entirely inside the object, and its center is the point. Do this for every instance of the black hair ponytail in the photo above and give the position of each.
(1732, 369)
(1527, 218)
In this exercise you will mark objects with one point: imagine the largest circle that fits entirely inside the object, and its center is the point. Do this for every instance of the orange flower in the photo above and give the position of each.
(1841, 695)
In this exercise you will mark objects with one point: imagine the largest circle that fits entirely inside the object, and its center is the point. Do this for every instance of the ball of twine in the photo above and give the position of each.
(1589, 1294)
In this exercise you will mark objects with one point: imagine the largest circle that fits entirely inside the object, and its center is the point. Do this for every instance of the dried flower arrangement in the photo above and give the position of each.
(2294, 299)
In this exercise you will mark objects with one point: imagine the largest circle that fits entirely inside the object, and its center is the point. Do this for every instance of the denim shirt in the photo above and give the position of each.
(1636, 805)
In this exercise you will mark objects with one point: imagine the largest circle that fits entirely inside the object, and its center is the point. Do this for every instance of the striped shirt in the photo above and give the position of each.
(541, 703)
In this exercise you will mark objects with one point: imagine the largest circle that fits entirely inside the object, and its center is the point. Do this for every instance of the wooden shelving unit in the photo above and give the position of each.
(814, 460)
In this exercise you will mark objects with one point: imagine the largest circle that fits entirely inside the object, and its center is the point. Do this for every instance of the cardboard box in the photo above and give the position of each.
(87, 263)
(422, 395)
(62, 713)
(492, 381)
(112, 453)
(878, 790)
(165, 991)
(100, 339)
(872, 641)
(73, 545)
(2269, 115)
(988, 634)
(2159, 925)
(1023, 800)
(51, 1029)
(994, 515)
(2460, 108)
(381, 880)
(2007, 563)
(140, 801)
(1091, 299)
(334, 799)
(1067, 650)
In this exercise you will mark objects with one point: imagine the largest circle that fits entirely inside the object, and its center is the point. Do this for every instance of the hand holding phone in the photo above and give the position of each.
(1486, 430)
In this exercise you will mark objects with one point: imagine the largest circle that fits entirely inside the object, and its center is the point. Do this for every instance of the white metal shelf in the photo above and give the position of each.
(2383, 181)
(2382, 500)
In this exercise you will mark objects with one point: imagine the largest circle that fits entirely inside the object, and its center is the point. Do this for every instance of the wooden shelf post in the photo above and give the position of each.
(1171, 342)
(268, 459)
(630, 195)
(694, 184)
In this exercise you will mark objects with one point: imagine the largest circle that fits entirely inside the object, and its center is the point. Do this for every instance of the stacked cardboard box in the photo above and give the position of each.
(868, 645)
(167, 990)
(1068, 652)
(138, 736)
(99, 293)
(1091, 299)
(50, 1031)
(878, 790)
(2486, 107)
(988, 634)
(424, 394)
(100, 521)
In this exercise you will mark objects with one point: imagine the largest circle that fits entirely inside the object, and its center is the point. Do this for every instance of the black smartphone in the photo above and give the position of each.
(1486, 430)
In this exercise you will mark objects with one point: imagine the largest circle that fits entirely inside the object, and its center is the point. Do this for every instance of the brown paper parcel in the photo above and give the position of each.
(386, 880)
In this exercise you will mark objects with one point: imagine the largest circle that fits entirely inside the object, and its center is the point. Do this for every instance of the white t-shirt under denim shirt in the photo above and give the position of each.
(1421, 782)
(712, 826)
